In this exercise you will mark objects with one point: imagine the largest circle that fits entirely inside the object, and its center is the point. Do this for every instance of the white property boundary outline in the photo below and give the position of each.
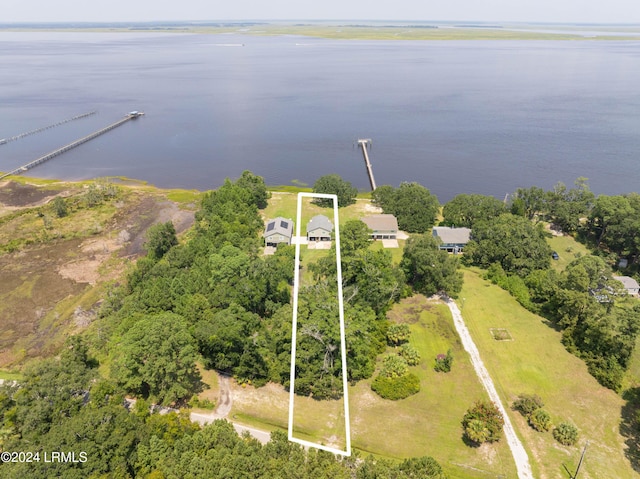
(343, 342)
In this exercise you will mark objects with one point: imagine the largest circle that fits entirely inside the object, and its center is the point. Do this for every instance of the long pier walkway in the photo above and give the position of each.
(364, 144)
(59, 151)
(38, 130)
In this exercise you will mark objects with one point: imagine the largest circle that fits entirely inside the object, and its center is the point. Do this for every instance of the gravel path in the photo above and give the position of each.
(517, 450)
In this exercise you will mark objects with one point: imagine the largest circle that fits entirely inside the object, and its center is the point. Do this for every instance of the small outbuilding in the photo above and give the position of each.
(453, 239)
(278, 230)
(382, 226)
(319, 228)
(630, 285)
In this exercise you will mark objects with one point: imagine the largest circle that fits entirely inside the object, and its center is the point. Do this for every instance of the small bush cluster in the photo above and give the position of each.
(444, 362)
(527, 403)
(398, 334)
(196, 402)
(540, 420)
(394, 366)
(410, 354)
(394, 381)
(530, 406)
(483, 423)
(566, 433)
(395, 388)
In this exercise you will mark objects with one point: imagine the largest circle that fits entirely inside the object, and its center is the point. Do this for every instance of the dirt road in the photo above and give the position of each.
(517, 450)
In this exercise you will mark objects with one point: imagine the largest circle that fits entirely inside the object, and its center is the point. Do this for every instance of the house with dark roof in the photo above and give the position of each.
(319, 228)
(630, 285)
(452, 240)
(278, 230)
(382, 226)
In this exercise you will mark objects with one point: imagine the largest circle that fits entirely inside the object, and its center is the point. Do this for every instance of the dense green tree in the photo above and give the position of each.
(529, 202)
(384, 195)
(160, 239)
(256, 186)
(608, 212)
(428, 269)
(156, 359)
(335, 185)
(568, 207)
(354, 236)
(51, 390)
(465, 209)
(512, 241)
(412, 204)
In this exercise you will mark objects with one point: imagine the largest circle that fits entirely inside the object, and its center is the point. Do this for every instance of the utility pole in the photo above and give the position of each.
(575, 476)
(364, 144)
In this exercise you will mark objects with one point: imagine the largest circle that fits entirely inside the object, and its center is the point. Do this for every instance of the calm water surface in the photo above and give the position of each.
(457, 116)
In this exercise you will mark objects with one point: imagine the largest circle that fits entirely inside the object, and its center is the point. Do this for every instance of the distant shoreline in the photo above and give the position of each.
(356, 30)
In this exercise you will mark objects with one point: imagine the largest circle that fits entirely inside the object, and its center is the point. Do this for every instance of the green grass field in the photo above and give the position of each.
(536, 362)
(568, 249)
(427, 423)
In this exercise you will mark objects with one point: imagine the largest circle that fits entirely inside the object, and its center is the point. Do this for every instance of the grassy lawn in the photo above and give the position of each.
(284, 204)
(568, 249)
(536, 362)
(427, 423)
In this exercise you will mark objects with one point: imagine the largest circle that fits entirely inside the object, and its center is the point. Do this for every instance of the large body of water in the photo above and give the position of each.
(456, 116)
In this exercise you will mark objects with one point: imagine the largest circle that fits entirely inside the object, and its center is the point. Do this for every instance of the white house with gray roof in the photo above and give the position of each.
(453, 239)
(382, 226)
(319, 228)
(278, 230)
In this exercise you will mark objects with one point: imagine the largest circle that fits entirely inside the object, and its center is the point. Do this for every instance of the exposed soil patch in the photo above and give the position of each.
(138, 217)
(17, 194)
(40, 283)
(29, 289)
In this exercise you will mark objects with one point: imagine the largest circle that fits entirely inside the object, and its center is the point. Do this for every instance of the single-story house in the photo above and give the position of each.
(278, 230)
(382, 226)
(319, 228)
(630, 285)
(453, 239)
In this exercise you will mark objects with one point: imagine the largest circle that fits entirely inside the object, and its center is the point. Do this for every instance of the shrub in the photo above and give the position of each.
(398, 334)
(410, 354)
(60, 207)
(566, 433)
(483, 423)
(394, 366)
(527, 403)
(444, 362)
(540, 420)
(396, 388)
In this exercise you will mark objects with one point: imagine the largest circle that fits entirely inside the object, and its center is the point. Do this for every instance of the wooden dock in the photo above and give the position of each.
(38, 130)
(364, 144)
(59, 151)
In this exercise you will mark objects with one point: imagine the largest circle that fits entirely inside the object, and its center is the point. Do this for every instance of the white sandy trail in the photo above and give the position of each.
(517, 450)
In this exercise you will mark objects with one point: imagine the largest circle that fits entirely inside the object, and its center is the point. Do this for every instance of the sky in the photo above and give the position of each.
(560, 11)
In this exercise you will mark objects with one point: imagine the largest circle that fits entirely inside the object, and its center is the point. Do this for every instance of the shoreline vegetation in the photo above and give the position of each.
(351, 30)
(116, 300)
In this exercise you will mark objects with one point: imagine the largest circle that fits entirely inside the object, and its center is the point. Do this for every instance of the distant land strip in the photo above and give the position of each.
(358, 31)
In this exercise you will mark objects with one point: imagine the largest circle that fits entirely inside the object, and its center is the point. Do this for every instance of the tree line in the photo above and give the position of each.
(584, 301)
